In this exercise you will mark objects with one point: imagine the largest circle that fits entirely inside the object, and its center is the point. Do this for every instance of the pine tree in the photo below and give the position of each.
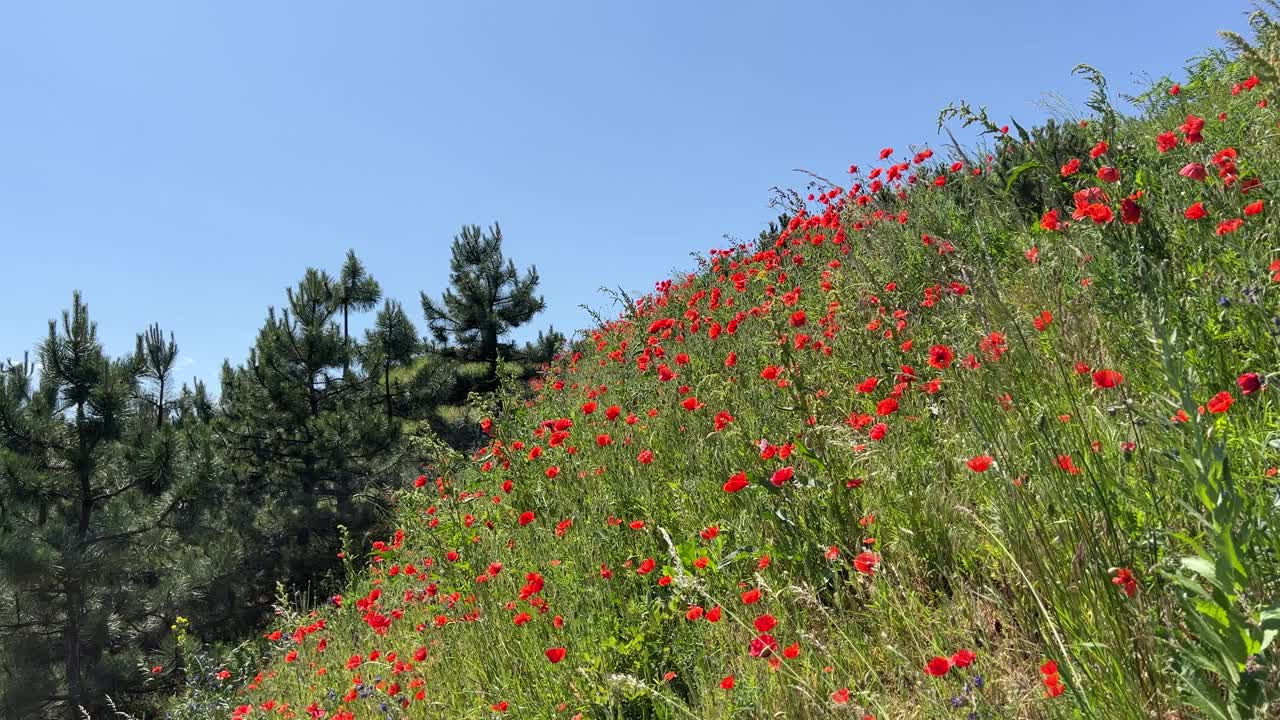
(487, 298)
(306, 445)
(90, 487)
(547, 345)
(355, 290)
(391, 344)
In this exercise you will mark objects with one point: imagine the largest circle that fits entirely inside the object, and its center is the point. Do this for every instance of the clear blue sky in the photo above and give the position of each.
(183, 162)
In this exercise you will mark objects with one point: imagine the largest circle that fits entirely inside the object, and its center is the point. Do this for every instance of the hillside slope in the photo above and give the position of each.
(966, 439)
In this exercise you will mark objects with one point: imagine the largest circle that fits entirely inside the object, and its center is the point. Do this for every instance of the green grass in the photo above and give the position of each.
(1017, 563)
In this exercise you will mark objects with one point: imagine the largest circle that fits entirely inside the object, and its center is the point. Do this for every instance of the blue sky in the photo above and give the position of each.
(183, 162)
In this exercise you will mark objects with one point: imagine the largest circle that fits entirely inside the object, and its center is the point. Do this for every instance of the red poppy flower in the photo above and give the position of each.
(1130, 213)
(866, 562)
(782, 475)
(1253, 208)
(1049, 221)
(763, 645)
(727, 682)
(555, 654)
(841, 696)
(980, 463)
(1126, 581)
(1099, 150)
(765, 623)
(1195, 211)
(1166, 141)
(1220, 403)
(1105, 379)
(887, 406)
(1249, 383)
(963, 658)
(751, 597)
(1194, 171)
(736, 483)
(940, 357)
(1226, 227)
(938, 666)
(526, 517)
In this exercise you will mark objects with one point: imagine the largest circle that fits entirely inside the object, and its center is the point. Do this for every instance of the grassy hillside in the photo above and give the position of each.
(990, 436)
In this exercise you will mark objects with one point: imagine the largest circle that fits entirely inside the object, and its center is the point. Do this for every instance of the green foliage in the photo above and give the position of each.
(100, 469)
(487, 297)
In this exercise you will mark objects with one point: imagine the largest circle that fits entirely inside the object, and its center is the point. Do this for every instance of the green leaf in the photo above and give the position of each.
(1205, 698)
(1017, 172)
(1270, 621)
(1202, 567)
(808, 454)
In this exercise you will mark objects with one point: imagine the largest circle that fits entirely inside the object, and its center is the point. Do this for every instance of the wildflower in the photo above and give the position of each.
(866, 562)
(782, 475)
(1099, 150)
(1253, 208)
(1104, 379)
(1194, 171)
(1130, 212)
(1166, 141)
(1191, 129)
(1249, 383)
(1227, 227)
(1107, 173)
(1066, 464)
(751, 597)
(1220, 403)
(938, 666)
(763, 645)
(727, 682)
(1071, 168)
(765, 623)
(963, 658)
(1195, 211)
(940, 357)
(980, 463)
(841, 696)
(1125, 581)
(736, 483)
